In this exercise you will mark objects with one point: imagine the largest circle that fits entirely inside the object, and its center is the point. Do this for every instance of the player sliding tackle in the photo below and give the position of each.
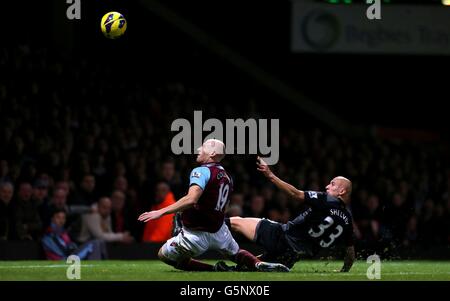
(203, 219)
(324, 222)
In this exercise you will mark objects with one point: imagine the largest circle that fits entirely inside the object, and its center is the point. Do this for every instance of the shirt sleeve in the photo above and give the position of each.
(315, 198)
(200, 176)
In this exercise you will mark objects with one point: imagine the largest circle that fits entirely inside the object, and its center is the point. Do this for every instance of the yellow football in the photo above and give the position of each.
(113, 25)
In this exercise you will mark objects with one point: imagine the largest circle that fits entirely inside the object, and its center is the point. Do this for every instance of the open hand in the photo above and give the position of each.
(263, 167)
(148, 216)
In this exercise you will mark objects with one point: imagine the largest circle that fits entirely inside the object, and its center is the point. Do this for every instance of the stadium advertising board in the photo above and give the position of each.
(402, 29)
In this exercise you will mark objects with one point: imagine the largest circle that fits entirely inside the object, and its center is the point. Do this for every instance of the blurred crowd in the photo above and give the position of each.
(83, 153)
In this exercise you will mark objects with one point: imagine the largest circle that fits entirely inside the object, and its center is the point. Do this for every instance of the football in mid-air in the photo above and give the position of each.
(113, 25)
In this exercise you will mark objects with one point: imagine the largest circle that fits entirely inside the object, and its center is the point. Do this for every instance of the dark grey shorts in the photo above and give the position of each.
(270, 236)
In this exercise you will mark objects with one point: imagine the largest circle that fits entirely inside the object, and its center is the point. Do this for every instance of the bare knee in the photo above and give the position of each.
(178, 264)
(161, 255)
(165, 259)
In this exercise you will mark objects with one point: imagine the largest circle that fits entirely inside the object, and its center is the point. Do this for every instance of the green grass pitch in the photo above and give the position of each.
(319, 270)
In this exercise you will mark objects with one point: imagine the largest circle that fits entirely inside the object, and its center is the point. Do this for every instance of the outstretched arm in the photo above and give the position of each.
(185, 202)
(349, 259)
(286, 187)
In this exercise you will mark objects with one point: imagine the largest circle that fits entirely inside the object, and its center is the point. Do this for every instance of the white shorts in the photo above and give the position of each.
(189, 243)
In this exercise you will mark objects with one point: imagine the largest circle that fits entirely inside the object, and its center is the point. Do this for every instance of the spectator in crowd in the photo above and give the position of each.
(395, 218)
(4, 171)
(58, 201)
(234, 210)
(27, 219)
(40, 195)
(98, 225)
(369, 219)
(7, 221)
(40, 191)
(58, 245)
(278, 208)
(368, 224)
(236, 206)
(237, 199)
(25, 192)
(160, 230)
(411, 235)
(169, 175)
(122, 216)
(257, 207)
(121, 184)
(86, 194)
(65, 186)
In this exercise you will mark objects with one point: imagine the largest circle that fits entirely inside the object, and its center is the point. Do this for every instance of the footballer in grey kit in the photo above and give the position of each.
(324, 223)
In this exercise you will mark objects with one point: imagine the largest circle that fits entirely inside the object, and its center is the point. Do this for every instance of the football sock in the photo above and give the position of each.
(244, 257)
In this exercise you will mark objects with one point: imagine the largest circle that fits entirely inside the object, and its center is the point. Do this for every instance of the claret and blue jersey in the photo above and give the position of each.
(208, 214)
